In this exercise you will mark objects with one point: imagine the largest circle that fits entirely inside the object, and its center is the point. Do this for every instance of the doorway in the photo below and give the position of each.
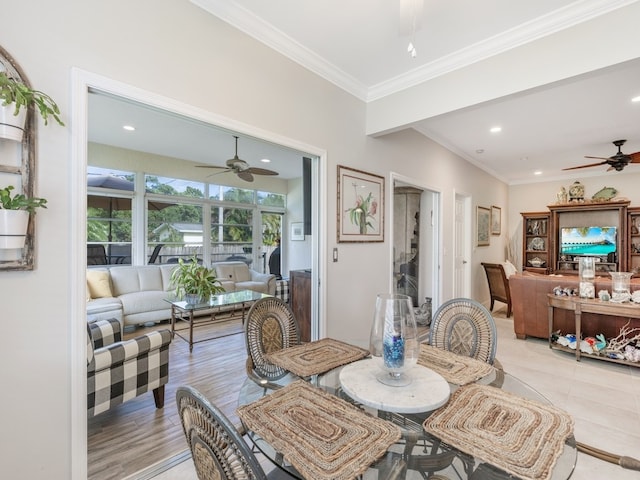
(83, 83)
(415, 243)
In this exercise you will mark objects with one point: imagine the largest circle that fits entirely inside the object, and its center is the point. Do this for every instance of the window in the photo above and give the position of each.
(109, 216)
(231, 234)
(174, 219)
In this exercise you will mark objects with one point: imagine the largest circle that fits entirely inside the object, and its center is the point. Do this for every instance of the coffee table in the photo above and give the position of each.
(221, 308)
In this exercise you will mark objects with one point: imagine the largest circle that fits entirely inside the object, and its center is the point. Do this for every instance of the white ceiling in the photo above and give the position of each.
(361, 46)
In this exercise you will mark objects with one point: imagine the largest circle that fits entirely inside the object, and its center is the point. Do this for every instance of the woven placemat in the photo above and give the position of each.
(316, 357)
(454, 368)
(321, 435)
(519, 436)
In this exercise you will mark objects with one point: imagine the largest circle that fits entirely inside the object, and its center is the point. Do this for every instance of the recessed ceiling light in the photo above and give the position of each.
(636, 99)
(538, 172)
(495, 129)
(129, 128)
(479, 151)
(265, 160)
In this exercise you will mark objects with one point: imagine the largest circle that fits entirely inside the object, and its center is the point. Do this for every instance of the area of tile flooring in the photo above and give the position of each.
(603, 398)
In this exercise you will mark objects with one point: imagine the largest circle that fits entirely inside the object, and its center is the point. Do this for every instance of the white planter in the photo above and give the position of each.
(12, 126)
(13, 228)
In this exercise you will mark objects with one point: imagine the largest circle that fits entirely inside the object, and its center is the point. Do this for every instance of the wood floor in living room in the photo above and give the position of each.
(603, 398)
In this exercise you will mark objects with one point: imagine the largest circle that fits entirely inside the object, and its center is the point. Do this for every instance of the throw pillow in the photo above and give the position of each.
(509, 268)
(99, 284)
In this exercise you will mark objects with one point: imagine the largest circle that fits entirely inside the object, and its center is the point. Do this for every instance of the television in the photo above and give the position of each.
(591, 241)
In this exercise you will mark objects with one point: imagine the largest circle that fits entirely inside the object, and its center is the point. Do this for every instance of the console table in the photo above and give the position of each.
(597, 307)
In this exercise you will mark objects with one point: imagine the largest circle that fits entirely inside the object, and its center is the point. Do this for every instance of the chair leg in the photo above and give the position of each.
(158, 396)
(509, 310)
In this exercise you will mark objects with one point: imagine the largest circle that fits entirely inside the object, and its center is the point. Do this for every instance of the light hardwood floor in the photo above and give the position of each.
(603, 398)
(134, 435)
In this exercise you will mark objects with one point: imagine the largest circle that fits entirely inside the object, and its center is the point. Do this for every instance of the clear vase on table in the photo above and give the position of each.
(394, 338)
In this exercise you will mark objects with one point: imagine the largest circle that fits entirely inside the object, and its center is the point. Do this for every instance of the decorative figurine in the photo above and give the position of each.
(562, 196)
(576, 192)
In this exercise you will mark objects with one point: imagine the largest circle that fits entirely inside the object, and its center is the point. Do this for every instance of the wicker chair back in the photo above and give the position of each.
(218, 450)
(465, 327)
(270, 326)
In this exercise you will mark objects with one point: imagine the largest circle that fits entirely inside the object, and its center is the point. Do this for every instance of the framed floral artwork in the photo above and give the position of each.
(483, 222)
(496, 220)
(360, 206)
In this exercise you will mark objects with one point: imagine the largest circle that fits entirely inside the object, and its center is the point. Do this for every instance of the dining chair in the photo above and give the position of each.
(465, 327)
(498, 285)
(217, 447)
(270, 326)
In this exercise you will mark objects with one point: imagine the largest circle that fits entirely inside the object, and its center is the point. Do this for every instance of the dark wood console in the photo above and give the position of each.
(300, 298)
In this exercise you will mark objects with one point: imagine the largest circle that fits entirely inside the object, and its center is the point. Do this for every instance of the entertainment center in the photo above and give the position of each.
(553, 241)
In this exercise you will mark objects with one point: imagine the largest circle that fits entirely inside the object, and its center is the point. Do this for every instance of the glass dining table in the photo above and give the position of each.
(418, 454)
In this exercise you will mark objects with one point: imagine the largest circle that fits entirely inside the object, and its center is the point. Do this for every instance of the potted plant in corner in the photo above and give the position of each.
(16, 99)
(14, 216)
(195, 282)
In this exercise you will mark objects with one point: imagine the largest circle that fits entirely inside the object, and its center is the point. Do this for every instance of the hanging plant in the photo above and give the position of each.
(17, 96)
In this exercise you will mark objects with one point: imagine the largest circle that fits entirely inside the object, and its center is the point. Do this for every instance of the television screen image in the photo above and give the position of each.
(587, 240)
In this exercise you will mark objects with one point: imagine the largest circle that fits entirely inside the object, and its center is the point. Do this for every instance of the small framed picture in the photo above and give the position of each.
(496, 220)
(297, 231)
(483, 221)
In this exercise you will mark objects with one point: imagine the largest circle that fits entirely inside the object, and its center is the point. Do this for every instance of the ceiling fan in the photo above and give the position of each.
(616, 162)
(240, 167)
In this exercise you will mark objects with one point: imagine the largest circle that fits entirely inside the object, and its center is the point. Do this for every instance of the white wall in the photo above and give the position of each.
(176, 50)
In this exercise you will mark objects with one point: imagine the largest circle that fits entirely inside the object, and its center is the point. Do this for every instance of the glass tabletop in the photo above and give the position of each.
(220, 300)
(418, 454)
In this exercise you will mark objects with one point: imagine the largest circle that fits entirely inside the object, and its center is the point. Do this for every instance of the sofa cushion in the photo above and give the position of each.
(135, 279)
(98, 283)
(233, 271)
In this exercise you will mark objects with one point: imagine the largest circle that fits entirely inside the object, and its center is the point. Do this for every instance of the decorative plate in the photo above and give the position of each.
(607, 193)
(536, 262)
(536, 243)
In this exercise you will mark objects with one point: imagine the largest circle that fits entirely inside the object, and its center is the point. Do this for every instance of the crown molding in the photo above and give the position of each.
(254, 26)
(553, 22)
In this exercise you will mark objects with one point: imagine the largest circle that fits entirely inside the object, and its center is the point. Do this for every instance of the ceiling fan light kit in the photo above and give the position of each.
(616, 162)
(241, 168)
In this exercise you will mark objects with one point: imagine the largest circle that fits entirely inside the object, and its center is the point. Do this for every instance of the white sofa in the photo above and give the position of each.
(136, 295)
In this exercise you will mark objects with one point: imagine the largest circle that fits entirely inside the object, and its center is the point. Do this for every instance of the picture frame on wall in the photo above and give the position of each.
(496, 220)
(483, 223)
(360, 206)
(297, 231)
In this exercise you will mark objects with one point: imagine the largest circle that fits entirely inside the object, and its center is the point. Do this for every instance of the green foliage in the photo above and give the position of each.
(19, 201)
(192, 278)
(14, 92)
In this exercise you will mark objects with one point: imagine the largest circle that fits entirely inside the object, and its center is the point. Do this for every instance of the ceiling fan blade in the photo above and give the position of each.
(598, 158)
(635, 157)
(220, 172)
(245, 175)
(585, 166)
(261, 171)
(213, 166)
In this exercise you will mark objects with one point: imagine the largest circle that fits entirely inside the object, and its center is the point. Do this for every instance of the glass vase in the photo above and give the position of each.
(394, 338)
(620, 286)
(587, 273)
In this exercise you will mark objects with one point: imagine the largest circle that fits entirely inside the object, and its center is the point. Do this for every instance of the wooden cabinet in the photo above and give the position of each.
(584, 216)
(536, 242)
(300, 300)
(633, 243)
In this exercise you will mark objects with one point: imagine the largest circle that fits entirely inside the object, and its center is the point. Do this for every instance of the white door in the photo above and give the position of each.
(462, 246)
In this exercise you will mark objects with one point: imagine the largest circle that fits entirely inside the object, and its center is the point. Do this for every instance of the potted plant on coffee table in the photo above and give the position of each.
(14, 216)
(16, 97)
(195, 282)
